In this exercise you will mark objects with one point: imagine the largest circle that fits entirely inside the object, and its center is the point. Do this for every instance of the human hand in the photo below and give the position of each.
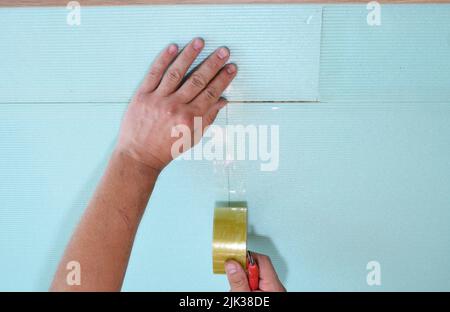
(167, 99)
(268, 278)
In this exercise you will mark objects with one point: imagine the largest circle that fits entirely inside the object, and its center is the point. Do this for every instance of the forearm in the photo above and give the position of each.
(104, 237)
(165, 101)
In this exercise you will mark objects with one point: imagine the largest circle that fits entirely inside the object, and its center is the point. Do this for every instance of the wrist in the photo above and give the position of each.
(132, 162)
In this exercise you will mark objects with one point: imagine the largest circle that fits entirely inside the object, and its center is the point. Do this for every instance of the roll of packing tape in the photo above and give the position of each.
(229, 237)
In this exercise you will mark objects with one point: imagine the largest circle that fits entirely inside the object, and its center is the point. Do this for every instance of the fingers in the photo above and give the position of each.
(266, 269)
(210, 95)
(236, 276)
(156, 72)
(267, 274)
(203, 75)
(180, 66)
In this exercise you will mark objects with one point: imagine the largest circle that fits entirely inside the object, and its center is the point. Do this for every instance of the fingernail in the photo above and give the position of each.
(231, 68)
(198, 44)
(223, 53)
(173, 49)
(230, 267)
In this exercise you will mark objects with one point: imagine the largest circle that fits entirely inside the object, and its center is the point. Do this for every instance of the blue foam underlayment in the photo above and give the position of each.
(275, 47)
(403, 59)
(363, 175)
(355, 183)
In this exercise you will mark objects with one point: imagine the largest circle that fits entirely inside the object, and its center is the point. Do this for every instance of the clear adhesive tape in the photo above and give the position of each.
(229, 237)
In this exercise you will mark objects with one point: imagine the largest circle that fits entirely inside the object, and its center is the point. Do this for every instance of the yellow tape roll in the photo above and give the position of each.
(229, 237)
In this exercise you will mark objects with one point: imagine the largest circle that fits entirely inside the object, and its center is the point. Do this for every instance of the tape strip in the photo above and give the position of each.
(229, 237)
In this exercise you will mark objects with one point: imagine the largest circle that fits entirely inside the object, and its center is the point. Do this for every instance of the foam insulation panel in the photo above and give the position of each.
(277, 49)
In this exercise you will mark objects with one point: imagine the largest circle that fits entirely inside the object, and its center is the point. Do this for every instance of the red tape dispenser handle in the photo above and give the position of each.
(253, 272)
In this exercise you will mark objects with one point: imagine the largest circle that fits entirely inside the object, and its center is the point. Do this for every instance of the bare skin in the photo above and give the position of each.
(103, 239)
(268, 278)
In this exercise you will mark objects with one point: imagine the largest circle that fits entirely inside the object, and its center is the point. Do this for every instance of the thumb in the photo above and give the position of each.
(236, 276)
